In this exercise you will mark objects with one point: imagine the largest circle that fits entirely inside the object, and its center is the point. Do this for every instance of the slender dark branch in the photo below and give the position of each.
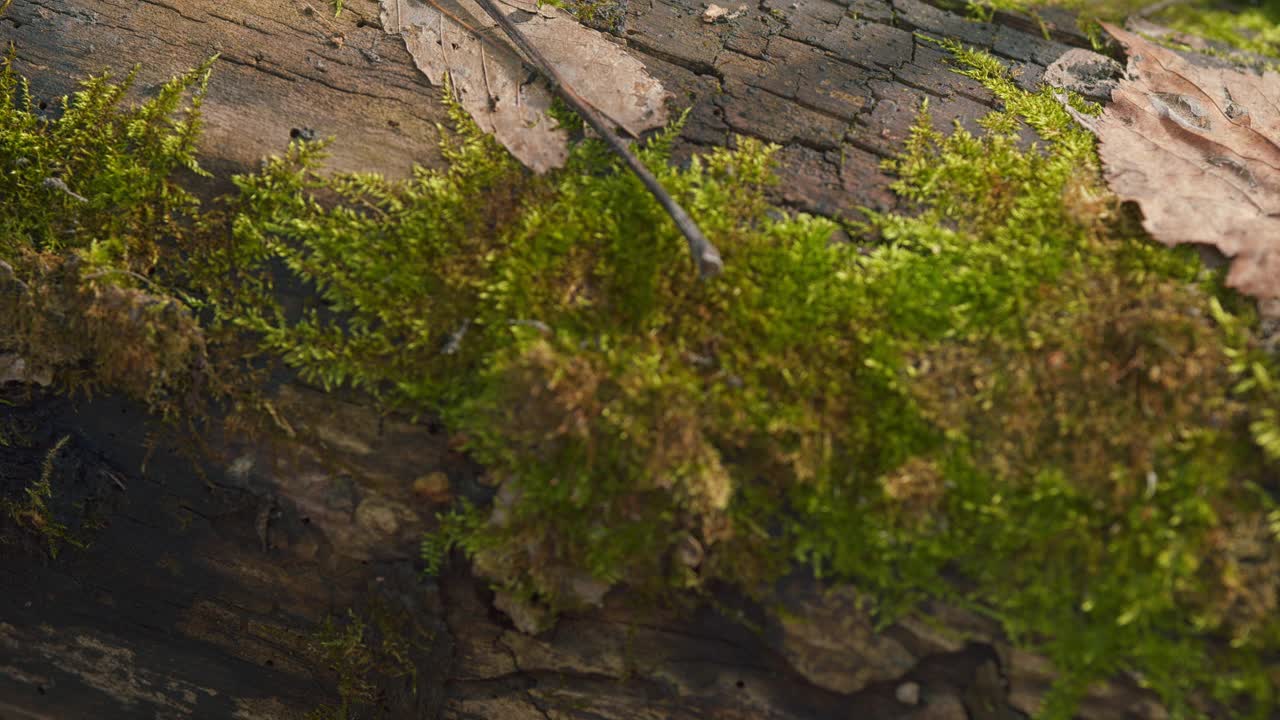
(704, 253)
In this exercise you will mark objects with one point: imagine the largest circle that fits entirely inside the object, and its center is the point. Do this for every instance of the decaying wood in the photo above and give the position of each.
(203, 586)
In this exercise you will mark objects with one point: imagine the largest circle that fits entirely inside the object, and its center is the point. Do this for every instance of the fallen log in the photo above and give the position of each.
(207, 595)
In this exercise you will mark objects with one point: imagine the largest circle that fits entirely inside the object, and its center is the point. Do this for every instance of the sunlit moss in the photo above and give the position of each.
(1252, 27)
(89, 232)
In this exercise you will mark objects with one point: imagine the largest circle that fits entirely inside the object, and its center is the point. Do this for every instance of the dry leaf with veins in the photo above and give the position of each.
(507, 99)
(1199, 150)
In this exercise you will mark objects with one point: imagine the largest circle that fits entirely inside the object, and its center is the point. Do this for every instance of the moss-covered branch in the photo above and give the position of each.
(1007, 398)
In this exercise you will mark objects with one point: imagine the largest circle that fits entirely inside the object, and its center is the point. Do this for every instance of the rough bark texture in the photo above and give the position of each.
(199, 592)
(207, 576)
(837, 84)
(204, 582)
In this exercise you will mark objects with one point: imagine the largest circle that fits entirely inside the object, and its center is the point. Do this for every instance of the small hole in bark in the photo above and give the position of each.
(270, 663)
(362, 23)
(43, 105)
(40, 689)
(306, 521)
(740, 684)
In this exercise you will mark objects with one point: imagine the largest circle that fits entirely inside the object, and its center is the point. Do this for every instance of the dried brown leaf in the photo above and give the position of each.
(502, 95)
(1198, 148)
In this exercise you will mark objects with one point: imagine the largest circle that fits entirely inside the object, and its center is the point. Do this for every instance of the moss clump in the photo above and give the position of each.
(426, 244)
(1104, 417)
(1015, 401)
(90, 231)
(1092, 9)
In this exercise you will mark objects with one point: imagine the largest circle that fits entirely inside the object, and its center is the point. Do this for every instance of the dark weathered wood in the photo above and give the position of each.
(168, 611)
(185, 603)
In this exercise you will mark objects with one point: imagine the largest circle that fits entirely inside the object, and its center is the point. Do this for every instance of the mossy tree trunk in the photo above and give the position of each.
(202, 595)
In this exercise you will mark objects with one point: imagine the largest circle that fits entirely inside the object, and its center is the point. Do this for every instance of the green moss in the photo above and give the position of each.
(604, 15)
(1013, 400)
(366, 656)
(1103, 417)
(1253, 29)
(360, 654)
(1110, 10)
(93, 176)
(90, 231)
(34, 515)
(460, 528)
(1243, 26)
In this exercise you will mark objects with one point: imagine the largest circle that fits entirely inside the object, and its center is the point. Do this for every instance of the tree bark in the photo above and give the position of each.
(836, 83)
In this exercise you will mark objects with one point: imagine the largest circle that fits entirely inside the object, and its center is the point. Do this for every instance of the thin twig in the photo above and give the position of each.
(444, 43)
(55, 183)
(705, 255)
(488, 94)
(120, 271)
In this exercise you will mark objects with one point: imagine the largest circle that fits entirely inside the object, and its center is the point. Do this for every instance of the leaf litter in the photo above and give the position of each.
(510, 100)
(1198, 149)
